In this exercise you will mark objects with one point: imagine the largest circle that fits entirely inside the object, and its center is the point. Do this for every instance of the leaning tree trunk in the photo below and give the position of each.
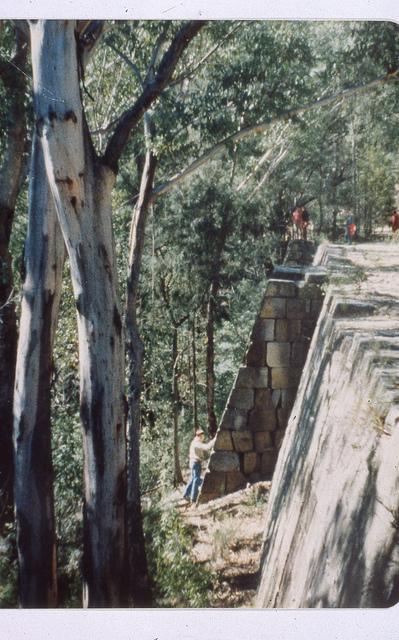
(210, 359)
(176, 401)
(11, 174)
(81, 187)
(34, 505)
(194, 378)
(139, 587)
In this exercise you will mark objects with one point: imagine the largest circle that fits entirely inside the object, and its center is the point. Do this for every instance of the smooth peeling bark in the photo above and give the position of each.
(139, 583)
(102, 403)
(11, 173)
(81, 187)
(34, 504)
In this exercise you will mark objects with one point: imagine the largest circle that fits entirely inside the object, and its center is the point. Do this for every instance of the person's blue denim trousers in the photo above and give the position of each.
(191, 490)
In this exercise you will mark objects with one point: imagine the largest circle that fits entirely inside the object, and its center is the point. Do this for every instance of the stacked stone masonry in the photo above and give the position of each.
(258, 408)
(332, 518)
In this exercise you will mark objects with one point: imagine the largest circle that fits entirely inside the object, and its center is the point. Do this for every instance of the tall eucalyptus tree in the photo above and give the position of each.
(81, 184)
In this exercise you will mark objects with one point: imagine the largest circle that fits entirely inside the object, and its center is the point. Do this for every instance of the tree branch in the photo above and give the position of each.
(151, 92)
(17, 62)
(127, 60)
(221, 146)
(280, 157)
(160, 40)
(204, 59)
(103, 130)
(263, 159)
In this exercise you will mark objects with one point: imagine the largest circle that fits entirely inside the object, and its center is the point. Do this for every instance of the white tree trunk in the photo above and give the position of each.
(81, 186)
(44, 259)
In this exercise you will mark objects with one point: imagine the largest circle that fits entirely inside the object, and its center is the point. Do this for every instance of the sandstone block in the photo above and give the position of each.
(235, 480)
(309, 290)
(346, 308)
(223, 441)
(316, 275)
(287, 330)
(245, 378)
(281, 288)
(252, 378)
(250, 463)
(282, 330)
(288, 398)
(274, 307)
(263, 329)
(256, 354)
(280, 378)
(262, 419)
(214, 484)
(289, 272)
(276, 397)
(296, 308)
(224, 461)
(278, 354)
(241, 399)
(263, 398)
(234, 419)
(242, 441)
(262, 440)
(261, 378)
(285, 377)
(268, 462)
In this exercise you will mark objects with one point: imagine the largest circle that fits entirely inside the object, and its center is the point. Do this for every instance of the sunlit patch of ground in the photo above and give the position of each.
(227, 538)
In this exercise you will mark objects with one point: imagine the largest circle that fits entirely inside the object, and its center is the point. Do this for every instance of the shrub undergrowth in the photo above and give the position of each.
(178, 580)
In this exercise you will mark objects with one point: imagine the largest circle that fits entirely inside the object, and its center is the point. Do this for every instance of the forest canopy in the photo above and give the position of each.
(148, 172)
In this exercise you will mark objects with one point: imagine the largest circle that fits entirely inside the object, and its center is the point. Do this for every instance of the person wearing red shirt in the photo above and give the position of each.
(395, 221)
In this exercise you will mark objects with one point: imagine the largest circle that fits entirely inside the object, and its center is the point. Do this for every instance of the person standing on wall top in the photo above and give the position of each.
(395, 221)
(199, 451)
(297, 222)
(350, 228)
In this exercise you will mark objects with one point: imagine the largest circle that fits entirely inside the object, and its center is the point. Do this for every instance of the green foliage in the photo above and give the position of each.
(67, 451)
(156, 465)
(178, 580)
(377, 185)
(378, 43)
(8, 570)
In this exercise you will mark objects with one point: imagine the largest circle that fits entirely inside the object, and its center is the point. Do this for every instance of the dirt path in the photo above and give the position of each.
(227, 538)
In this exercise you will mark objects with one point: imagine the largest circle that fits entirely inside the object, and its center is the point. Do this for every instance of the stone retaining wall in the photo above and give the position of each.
(332, 521)
(257, 411)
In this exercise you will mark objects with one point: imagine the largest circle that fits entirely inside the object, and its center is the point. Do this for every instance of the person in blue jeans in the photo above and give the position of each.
(199, 450)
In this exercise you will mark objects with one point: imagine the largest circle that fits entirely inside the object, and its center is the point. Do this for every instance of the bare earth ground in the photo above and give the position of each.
(227, 537)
